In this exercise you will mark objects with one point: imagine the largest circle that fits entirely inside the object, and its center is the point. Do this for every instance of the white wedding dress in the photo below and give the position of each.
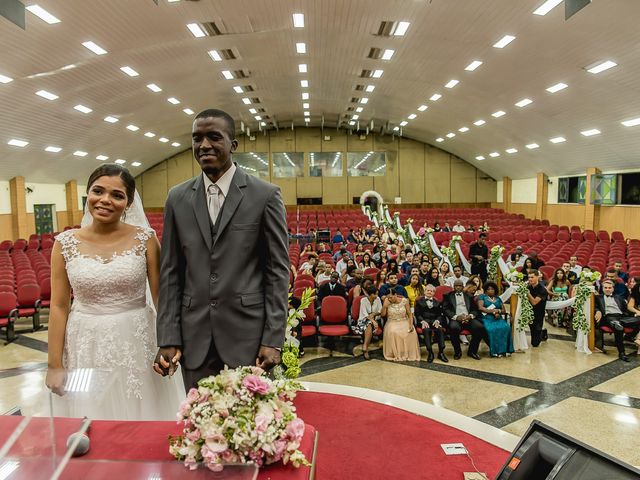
(110, 342)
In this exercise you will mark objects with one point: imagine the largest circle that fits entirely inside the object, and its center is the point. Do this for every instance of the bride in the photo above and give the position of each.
(106, 338)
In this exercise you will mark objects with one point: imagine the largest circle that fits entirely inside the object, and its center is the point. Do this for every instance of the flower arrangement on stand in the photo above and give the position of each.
(492, 268)
(526, 312)
(584, 289)
(455, 258)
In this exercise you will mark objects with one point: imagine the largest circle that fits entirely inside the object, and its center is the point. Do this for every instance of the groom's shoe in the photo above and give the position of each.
(623, 357)
(442, 357)
(430, 357)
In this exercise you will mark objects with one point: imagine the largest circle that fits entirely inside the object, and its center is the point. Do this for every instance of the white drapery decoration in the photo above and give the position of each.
(463, 259)
(436, 251)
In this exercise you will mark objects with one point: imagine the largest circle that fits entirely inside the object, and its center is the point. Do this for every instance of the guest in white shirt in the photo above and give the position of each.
(457, 275)
(458, 228)
(369, 318)
(573, 261)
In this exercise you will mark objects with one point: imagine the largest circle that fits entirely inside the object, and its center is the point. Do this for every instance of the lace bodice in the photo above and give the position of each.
(396, 312)
(100, 278)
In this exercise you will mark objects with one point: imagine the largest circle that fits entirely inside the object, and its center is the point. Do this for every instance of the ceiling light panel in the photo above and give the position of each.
(504, 41)
(601, 66)
(47, 95)
(215, 55)
(129, 71)
(557, 140)
(175, 144)
(227, 74)
(120, 161)
(439, 139)
(370, 88)
(480, 157)
(301, 47)
(188, 111)
(463, 129)
(83, 109)
(302, 68)
(498, 114)
(163, 139)
(14, 142)
(173, 100)
(591, 132)
(422, 108)
(238, 89)
(401, 29)
(364, 100)
(387, 54)
(135, 164)
(494, 154)
(80, 153)
(452, 83)
(95, 48)
(412, 116)
(511, 150)
(631, 123)
(479, 123)
(404, 123)
(42, 14)
(305, 95)
(450, 135)
(304, 83)
(524, 102)
(196, 30)
(377, 73)
(435, 97)
(102, 158)
(154, 88)
(298, 20)
(133, 128)
(52, 149)
(5, 79)
(110, 119)
(149, 134)
(557, 87)
(246, 101)
(546, 7)
(532, 146)
(473, 65)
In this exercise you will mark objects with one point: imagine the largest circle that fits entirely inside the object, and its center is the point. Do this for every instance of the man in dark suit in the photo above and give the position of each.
(429, 316)
(537, 296)
(479, 254)
(611, 311)
(462, 313)
(225, 268)
(332, 288)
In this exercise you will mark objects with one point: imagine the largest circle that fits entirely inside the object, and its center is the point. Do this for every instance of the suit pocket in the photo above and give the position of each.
(244, 226)
(252, 299)
(186, 301)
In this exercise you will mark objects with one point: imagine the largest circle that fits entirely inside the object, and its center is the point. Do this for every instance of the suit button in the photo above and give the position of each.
(213, 277)
(214, 304)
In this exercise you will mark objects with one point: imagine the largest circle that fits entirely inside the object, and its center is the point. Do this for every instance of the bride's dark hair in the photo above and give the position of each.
(115, 170)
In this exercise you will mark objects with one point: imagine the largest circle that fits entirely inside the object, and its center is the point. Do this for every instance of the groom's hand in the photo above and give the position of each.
(167, 360)
(268, 357)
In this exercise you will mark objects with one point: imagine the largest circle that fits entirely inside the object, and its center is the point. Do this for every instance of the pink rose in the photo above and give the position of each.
(185, 408)
(255, 384)
(216, 443)
(278, 414)
(280, 447)
(229, 457)
(193, 395)
(295, 429)
(193, 435)
(262, 422)
(207, 454)
(257, 370)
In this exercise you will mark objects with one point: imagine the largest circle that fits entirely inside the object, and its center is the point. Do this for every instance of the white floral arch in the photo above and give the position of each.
(377, 196)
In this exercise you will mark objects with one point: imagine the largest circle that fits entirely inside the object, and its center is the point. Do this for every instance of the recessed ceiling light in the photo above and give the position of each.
(163, 139)
(175, 144)
(102, 158)
(524, 102)
(557, 87)
(532, 146)
(546, 7)
(401, 29)
(154, 88)
(215, 56)
(83, 109)
(110, 119)
(511, 150)
(196, 30)
(133, 128)
(173, 100)
(120, 161)
(452, 83)
(435, 97)
(591, 132)
(557, 140)
(364, 100)
(227, 74)
(238, 89)
(498, 114)
(305, 106)
(136, 164)
(479, 123)
(355, 117)
(370, 88)
(47, 95)
(258, 117)
(412, 116)
(253, 110)
(17, 143)
(5, 79)
(631, 123)
(395, 129)
(601, 66)
(306, 119)
(188, 111)
(350, 123)
(302, 68)
(95, 48)
(129, 71)
(150, 134)
(80, 153)
(298, 20)
(305, 95)
(473, 65)
(246, 101)
(404, 123)
(52, 149)
(387, 54)
(450, 135)
(439, 139)
(42, 14)
(304, 83)
(494, 154)
(463, 129)
(301, 47)
(504, 41)
(359, 110)
(479, 157)
(377, 73)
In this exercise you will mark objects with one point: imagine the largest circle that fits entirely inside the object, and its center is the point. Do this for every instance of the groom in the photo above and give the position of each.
(225, 267)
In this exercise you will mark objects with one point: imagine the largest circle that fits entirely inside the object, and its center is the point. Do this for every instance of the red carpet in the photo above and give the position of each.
(366, 440)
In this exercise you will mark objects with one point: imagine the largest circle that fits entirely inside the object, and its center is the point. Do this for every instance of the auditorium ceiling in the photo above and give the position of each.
(349, 45)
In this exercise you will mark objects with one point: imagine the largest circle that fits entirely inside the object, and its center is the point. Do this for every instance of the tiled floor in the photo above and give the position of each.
(595, 398)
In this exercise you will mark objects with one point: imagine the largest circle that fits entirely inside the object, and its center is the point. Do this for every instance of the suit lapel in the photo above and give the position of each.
(231, 202)
(199, 203)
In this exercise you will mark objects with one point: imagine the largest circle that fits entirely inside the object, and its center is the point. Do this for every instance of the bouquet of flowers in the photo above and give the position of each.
(514, 276)
(239, 416)
(492, 268)
(454, 239)
(591, 277)
(454, 258)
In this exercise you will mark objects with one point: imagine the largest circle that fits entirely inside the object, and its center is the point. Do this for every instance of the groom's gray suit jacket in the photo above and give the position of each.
(228, 282)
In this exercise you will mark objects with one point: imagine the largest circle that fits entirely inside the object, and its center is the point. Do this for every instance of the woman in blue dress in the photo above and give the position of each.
(498, 329)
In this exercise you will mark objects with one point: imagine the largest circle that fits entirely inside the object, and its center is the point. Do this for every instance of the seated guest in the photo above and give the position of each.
(414, 289)
(308, 248)
(538, 298)
(462, 312)
(356, 279)
(400, 337)
(436, 262)
(309, 265)
(429, 316)
(333, 288)
(445, 272)
(351, 237)
(434, 277)
(622, 274)
(619, 288)
(392, 283)
(446, 227)
(436, 227)
(558, 289)
(497, 328)
(471, 288)
(516, 255)
(471, 228)
(341, 265)
(369, 319)
(514, 258)
(337, 238)
(457, 275)
(392, 267)
(478, 282)
(348, 273)
(408, 262)
(570, 274)
(342, 253)
(404, 281)
(383, 258)
(324, 275)
(366, 261)
(611, 311)
(573, 261)
(425, 267)
(381, 278)
(633, 305)
(536, 262)
(458, 228)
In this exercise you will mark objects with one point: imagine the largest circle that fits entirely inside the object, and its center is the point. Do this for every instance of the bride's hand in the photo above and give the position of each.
(164, 367)
(55, 380)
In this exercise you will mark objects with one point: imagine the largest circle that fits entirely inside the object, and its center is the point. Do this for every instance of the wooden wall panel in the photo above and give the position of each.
(288, 188)
(154, 184)
(387, 185)
(335, 191)
(486, 187)
(180, 168)
(623, 219)
(6, 227)
(411, 171)
(337, 143)
(355, 144)
(357, 186)
(526, 209)
(437, 176)
(463, 181)
(309, 187)
(568, 215)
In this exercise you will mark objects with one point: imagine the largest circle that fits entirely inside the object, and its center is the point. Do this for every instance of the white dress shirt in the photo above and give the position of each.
(610, 306)
(450, 280)
(461, 306)
(223, 184)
